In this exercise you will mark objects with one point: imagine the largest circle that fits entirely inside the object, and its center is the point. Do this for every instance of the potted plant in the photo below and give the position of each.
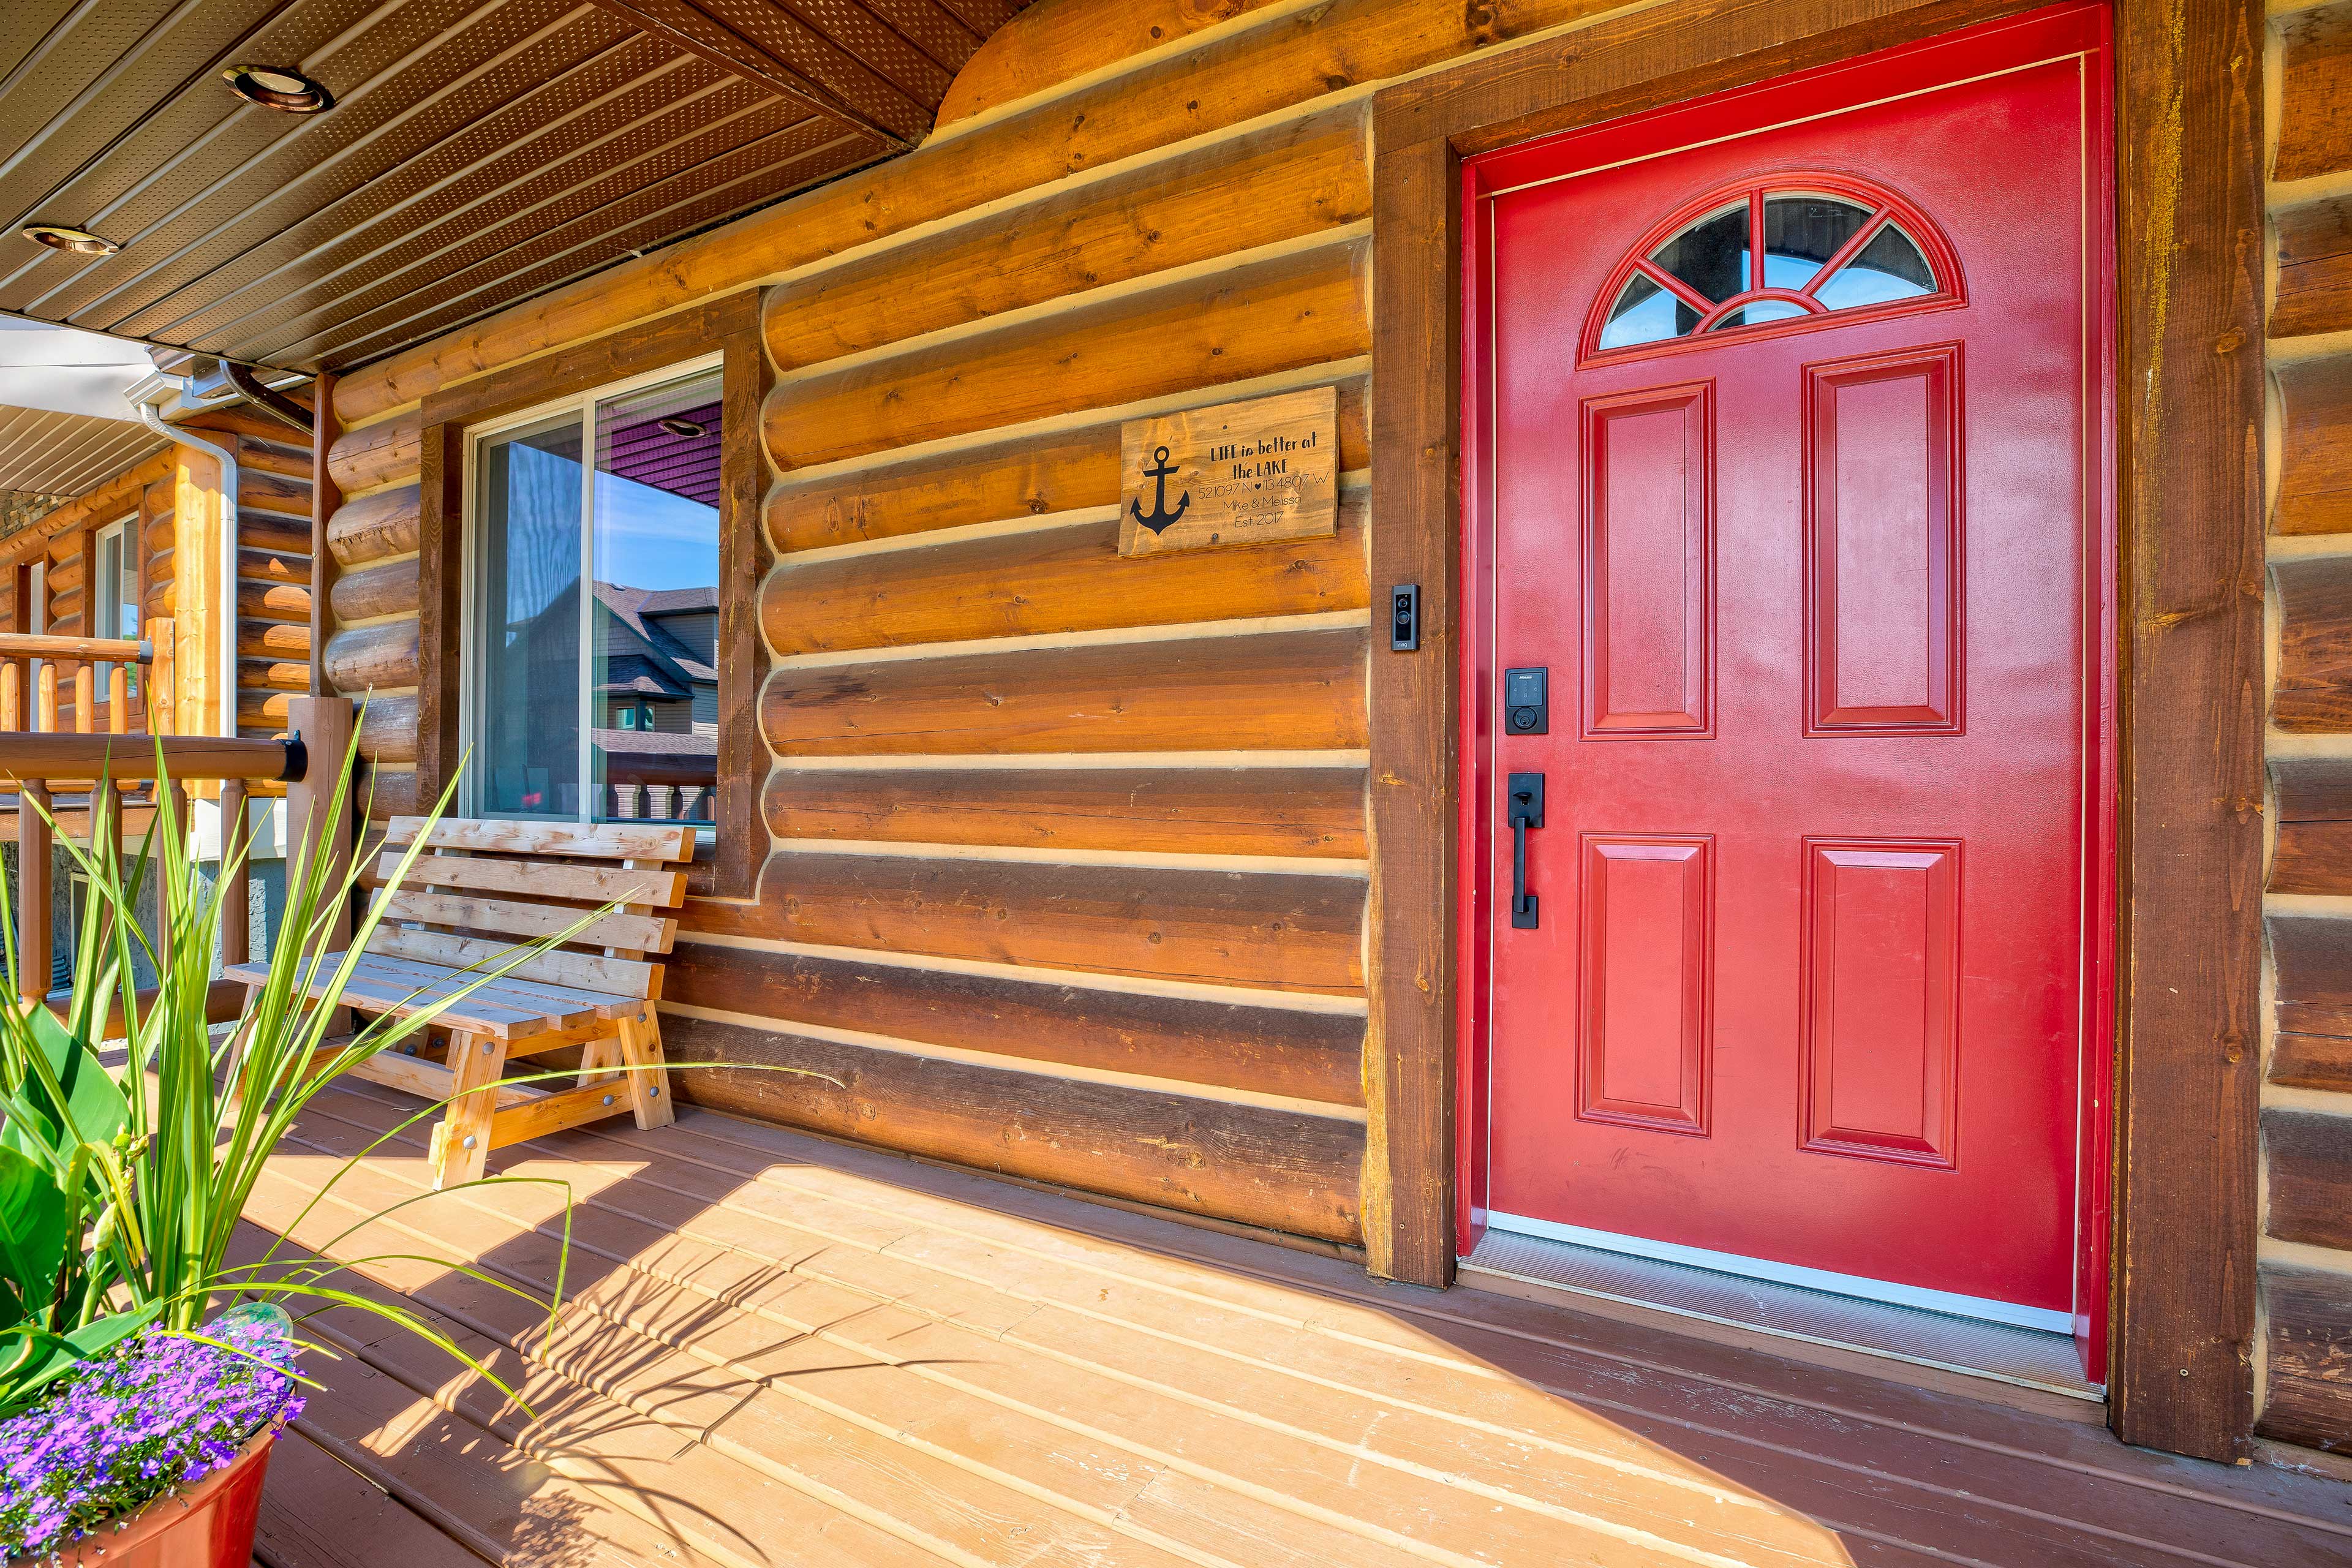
(135, 1413)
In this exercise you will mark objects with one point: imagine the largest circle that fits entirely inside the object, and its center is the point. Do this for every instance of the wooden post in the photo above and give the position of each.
(323, 724)
(85, 697)
(236, 903)
(118, 698)
(32, 890)
(44, 718)
(12, 694)
(326, 498)
(159, 678)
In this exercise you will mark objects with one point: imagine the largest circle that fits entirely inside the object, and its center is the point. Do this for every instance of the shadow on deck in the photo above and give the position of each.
(781, 1351)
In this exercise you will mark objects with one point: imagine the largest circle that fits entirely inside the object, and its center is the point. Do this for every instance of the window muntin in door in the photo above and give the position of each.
(1787, 254)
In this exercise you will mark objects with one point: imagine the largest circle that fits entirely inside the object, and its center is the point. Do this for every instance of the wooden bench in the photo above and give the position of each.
(477, 887)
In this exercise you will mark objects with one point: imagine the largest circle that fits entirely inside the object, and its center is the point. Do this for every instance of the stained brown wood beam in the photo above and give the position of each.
(682, 24)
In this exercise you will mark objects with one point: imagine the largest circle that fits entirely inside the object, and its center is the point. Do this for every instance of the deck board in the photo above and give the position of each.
(779, 1350)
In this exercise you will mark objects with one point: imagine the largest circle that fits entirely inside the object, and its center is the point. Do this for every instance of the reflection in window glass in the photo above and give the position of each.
(1757, 312)
(1801, 232)
(529, 599)
(1645, 313)
(654, 684)
(1889, 267)
(1711, 254)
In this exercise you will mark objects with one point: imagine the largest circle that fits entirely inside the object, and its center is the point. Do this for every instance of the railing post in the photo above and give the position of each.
(46, 716)
(85, 697)
(33, 955)
(12, 694)
(323, 724)
(162, 715)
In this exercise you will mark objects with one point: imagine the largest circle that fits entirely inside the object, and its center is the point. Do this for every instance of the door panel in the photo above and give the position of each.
(1815, 565)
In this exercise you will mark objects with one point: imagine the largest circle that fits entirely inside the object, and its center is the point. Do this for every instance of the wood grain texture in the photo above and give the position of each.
(2308, 1373)
(1279, 930)
(744, 559)
(326, 500)
(372, 527)
(1196, 811)
(384, 588)
(386, 452)
(2313, 691)
(2314, 487)
(1305, 310)
(1271, 1051)
(1290, 60)
(1067, 579)
(2192, 526)
(2315, 133)
(366, 659)
(1288, 690)
(388, 728)
(2309, 1155)
(1276, 1169)
(2312, 959)
(2313, 290)
(2312, 852)
(279, 601)
(1056, 41)
(1287, 181)
(625, 349)
(2313, 1061)
(438, 746)
(1028, 478)
(1409, 1170)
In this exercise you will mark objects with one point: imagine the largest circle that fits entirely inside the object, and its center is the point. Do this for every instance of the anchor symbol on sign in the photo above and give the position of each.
(1161, 518)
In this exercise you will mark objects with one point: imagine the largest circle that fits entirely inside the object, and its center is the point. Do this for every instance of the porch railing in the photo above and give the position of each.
(41, 762)
(35, 667)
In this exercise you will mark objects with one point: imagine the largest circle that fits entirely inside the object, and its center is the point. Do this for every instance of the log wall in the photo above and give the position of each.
(1066, 863)
(272, 620)
(2306, 1246)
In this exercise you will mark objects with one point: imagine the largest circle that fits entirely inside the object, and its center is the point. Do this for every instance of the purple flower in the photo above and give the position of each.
(157, 1412)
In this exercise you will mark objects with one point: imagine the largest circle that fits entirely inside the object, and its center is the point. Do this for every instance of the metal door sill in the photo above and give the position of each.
(1813, 1324)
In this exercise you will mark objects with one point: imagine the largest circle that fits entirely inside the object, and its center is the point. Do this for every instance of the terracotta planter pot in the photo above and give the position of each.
(210, 1526)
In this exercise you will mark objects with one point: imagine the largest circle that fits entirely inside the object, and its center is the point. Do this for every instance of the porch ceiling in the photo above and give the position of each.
(479, 152)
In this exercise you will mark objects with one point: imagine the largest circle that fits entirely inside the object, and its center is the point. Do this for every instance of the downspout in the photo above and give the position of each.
(144, 396)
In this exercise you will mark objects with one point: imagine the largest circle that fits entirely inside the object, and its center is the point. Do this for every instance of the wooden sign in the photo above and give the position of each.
(1238, 473)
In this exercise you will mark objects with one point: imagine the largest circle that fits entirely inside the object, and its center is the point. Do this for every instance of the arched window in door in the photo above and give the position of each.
(1793, 251)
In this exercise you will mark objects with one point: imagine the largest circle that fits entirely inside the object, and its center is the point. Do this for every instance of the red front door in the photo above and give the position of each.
(1794, 406)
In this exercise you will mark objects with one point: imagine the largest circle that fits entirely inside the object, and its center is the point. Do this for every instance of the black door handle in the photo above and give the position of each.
(1524, 809)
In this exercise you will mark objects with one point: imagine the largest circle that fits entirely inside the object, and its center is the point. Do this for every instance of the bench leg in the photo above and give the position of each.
(461, 1141)
(597, 1060)
(641, 1050)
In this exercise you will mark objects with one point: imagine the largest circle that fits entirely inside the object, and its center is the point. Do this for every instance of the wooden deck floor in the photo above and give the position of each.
(780, 1351)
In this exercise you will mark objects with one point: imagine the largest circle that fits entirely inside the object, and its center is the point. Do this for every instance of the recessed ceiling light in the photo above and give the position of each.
(278, 86)
(80, 241)
(687, 428)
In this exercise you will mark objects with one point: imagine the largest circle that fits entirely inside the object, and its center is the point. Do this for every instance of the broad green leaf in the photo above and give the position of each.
(34, 1230)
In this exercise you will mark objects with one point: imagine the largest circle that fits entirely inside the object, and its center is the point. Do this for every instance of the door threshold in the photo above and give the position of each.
(1910, 1345)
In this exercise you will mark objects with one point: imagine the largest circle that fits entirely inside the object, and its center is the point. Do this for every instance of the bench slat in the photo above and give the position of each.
(508, 990)
(599, 840)
(370, 993)
(648, 933)
(548, 879)
(617, 977)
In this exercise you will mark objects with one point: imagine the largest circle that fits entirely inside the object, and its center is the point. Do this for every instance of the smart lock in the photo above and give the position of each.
(1527, 701)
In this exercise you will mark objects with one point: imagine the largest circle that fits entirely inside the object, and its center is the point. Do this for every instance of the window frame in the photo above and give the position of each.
(1889, 208)
(104, 612)
(473, 703)
(729, 325)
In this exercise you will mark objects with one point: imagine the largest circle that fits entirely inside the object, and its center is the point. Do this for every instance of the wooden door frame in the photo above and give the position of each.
(2189, 287)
